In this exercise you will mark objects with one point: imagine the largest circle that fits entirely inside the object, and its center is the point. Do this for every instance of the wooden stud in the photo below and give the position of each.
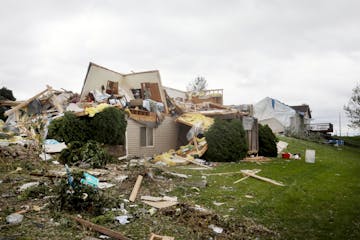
(101, 229)
(136, 188)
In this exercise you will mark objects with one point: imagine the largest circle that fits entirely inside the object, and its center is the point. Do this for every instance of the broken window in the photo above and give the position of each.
(146, 137)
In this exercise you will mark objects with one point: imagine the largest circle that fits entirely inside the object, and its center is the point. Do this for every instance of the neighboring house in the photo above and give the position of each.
(147, 132)
(278, 116)
(304, 111)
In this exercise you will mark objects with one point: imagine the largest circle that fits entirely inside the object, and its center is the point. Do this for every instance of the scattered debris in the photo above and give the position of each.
(53, 146)
(45, 157)
(216, 229)
(136, 188)
(180, 175)
(251, 174)
(158, 237)
(90, 180)
(28, 185)
(104, 185)
(122, 219)
(310, 156)
(281, 146)
(246, 177)
(100, 229)
(159, 202)
(256, 159)
(218, 203)
(14, 218)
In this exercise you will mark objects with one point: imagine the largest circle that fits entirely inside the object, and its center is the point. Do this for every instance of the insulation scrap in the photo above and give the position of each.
(193, 118)
(91, 111)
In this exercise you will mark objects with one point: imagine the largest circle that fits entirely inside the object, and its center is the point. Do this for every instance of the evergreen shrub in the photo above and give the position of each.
(267, 142)
(226, 141)
(106, 127)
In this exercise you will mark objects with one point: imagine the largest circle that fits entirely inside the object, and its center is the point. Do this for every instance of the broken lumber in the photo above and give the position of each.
(251, 174)
(256, 159)
(246, 177)
(101, 229)
(158, 237)
(220, 174)
(161, 204)
(24, 104)
(136, 188)
(192, 161)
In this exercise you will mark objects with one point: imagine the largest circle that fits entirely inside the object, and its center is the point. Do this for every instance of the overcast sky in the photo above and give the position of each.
(295, 51)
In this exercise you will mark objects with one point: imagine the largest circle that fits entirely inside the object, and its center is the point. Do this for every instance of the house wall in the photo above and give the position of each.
(96, 77)
(165, 138)
(176, 94)
(134, 80)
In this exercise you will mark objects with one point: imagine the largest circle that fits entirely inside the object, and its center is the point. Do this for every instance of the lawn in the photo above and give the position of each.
(318, 201)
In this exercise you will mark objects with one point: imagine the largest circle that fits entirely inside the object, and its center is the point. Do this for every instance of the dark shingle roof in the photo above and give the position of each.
(302, 109)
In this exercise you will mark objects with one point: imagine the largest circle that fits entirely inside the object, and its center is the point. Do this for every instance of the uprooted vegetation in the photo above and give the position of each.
(50, 202)
(89, 154)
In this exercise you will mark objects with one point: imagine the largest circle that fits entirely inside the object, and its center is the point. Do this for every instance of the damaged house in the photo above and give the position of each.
(160, 118)
(150, 129)
(209, 103)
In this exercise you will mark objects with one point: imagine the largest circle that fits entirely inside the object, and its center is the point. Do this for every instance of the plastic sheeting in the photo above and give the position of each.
(269, 108)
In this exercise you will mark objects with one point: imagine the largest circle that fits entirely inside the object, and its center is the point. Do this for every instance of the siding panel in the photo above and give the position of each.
(165, 138)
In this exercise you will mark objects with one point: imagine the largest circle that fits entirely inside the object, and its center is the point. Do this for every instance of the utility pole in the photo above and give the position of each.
(340, 124)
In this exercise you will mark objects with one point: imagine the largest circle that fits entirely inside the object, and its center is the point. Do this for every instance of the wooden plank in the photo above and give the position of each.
(256, 159)
(221, 174)
(10, 103)
(191, 161)
(158, 237)
(161, 204)
(101, 229)
(136, 188)
(251, 174)
(24, 104)
(246, 177)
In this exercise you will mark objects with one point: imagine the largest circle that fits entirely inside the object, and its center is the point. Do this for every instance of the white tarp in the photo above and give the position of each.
(270, 108)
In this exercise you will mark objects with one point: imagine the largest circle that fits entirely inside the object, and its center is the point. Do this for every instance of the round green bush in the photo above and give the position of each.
(226, 141)
(267, 142)
(70, 128)
(109, 126)
(106, 127)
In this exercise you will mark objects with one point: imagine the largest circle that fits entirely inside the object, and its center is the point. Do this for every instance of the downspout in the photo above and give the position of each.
(126, 148)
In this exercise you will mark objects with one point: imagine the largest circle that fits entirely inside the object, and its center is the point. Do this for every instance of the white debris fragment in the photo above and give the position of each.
(14, 218)
(216, 229)
(122, 219)
(28, 185)
(218, 203)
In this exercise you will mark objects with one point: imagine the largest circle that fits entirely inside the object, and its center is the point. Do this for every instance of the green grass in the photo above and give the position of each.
(319, 201)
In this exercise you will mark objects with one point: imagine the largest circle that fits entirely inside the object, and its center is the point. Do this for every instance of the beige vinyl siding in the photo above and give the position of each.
(164, 138)
(96, 77)
(134, 80)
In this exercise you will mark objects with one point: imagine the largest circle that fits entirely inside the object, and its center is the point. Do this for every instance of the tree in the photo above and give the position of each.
(267, 142)
(5, 94)
(197, 85)
(226, 141)
(352, 109)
